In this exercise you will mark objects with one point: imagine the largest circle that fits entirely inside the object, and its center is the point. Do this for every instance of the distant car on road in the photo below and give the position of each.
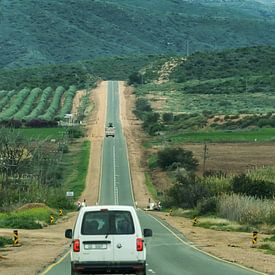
(108, 239)
(110, 130)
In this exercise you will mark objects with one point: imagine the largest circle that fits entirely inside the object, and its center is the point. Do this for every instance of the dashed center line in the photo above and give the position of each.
(115, 176)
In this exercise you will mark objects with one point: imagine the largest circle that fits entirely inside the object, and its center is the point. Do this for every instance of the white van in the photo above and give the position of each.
(108, 239)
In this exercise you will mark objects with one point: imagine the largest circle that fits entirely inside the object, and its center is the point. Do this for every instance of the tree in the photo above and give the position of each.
(168, 117)
(135, 78)
(15, 153)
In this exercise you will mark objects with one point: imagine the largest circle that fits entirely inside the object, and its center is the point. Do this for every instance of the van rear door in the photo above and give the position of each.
(125, 240)
(96, 243)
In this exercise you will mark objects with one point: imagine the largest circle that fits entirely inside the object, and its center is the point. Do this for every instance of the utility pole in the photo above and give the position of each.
(205, 156)
(187, 48)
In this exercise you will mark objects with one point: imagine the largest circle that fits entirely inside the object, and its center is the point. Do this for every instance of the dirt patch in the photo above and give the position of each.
(32, 205)
(38, 249)
(77, 100)
(233, 157)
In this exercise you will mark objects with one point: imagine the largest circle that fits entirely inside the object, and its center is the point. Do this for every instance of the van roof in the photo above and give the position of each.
(107, 207)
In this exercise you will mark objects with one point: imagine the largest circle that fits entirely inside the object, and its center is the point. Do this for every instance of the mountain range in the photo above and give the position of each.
(52, 32)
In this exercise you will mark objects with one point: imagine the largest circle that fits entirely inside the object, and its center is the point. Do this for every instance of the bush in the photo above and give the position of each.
(143, 105)
(168, 117)
(184, 158)
(63, 147)
(135, 78)
(186, 193)
(20, 222)
(75, 132)
(155, 128)
(4, 241)
(60, 201)
(260, 188)
(207, 206)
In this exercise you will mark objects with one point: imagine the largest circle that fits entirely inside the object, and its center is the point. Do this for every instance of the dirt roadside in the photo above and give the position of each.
(41, 247)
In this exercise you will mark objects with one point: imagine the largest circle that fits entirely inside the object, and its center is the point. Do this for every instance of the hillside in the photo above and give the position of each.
(229, 89)
(66, 31)
(82, 74)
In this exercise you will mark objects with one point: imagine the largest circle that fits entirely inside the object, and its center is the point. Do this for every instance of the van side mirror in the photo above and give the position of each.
(147, 232)
(69, 233)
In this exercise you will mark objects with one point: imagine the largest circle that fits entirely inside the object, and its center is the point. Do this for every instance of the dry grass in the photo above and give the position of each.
(247, 210)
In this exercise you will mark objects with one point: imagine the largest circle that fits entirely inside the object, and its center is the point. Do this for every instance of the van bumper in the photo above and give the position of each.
(108, 267)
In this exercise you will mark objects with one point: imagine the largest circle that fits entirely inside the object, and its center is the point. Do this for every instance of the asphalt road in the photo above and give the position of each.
(168, 252)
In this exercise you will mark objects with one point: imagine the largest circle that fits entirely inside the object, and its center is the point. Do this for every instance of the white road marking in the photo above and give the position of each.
(115, 175)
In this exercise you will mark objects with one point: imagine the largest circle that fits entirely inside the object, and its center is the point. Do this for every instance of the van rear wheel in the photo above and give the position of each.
(73, 272)
(141, 272)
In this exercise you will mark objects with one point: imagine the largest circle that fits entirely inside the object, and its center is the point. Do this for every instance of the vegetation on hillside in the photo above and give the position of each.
(226, 90)
(69, 31)
(82, 74)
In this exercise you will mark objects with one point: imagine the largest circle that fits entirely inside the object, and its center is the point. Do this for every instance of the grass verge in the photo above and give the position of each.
(150, 185)
(76, 168)
(34, 218)
(269, 249)
(43, 133)
(5, 241)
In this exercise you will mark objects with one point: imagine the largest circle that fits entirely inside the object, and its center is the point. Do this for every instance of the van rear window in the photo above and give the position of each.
(107, 223)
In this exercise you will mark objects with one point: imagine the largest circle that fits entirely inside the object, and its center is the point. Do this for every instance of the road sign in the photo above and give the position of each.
(60, 212)
(15, 237)
(69, 194)
(254, 237)
(51, 219)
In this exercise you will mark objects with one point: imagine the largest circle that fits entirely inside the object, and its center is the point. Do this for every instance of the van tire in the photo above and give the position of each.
(73, 272)
(141, 272)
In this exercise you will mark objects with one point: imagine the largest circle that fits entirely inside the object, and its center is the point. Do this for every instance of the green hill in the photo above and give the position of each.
(50, 32)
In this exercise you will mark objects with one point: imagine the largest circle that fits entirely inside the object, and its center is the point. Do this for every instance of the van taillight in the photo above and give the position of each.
(76, 245)
(139, 244)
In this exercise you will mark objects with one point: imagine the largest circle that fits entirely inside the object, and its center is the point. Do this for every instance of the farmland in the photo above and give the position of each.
(39, 108)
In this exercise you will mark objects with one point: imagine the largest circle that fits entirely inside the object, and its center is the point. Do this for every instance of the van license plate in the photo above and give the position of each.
(95, 246)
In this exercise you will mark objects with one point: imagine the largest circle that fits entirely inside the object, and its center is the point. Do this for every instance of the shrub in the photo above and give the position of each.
(21, 222)
(4, 241)
(186, 193)
(168, 117)
(63, 147)
(207, 206)
(143, 105)
(59, 200)
(75, 132)
(135, 78)
(168, 156)
(155, 128)
(260, 188)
